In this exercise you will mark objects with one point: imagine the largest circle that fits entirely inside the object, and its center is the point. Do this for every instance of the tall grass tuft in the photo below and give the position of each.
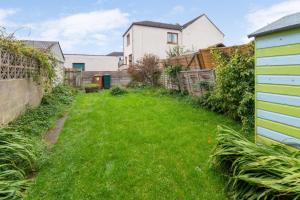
(17, 157)
(256, 171)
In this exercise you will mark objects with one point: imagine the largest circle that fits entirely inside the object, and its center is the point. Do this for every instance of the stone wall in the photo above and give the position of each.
(15, 96)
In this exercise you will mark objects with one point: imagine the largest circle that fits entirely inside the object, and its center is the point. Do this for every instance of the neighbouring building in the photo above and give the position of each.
(157, 38)
(54, 48)
(86, 62)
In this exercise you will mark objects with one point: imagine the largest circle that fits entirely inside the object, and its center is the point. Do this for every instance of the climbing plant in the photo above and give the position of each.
(42, 60)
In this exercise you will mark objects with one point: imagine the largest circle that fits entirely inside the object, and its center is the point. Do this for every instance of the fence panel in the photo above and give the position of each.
(189, 81)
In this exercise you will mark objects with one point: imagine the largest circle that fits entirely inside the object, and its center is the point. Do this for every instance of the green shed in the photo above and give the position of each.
(277, 79)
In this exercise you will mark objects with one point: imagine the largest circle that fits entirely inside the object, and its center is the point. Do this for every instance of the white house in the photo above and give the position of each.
(157, 38)
(85, 62)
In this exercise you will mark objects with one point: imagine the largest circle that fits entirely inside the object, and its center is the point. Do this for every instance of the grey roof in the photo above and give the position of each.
(115, 53)
(284, 23)
(167, 25)
(192, 21)
(51, 46)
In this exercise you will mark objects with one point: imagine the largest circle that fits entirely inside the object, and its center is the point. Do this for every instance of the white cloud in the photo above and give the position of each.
(81, 29)
(4, 14)
(261, 17)
(177, 9)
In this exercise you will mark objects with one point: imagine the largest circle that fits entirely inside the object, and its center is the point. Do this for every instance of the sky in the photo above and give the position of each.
(97, 26)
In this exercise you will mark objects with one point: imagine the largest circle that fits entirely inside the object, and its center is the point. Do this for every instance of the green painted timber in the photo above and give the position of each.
(279, 70)
(281, 128)
(267, 141)
(278, 89)
(279, 108)
(281, 43)
(278, 51)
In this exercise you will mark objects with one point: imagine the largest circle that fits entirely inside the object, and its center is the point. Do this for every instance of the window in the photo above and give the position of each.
(130, 59)
(172, 38)
(80, 66)
(128, 39)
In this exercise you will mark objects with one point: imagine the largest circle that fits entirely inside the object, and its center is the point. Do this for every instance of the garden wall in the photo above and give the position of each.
(15, 96)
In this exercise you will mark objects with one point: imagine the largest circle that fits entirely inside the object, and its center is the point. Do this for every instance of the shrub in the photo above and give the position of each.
(233, 91)
(172, 71)
(91, 87)
(256, 171)
(117, 90)
(146, 70)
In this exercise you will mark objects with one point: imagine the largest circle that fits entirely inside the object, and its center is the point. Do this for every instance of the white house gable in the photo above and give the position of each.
(200, 34)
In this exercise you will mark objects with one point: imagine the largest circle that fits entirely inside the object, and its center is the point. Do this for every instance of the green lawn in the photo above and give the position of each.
(137, 146)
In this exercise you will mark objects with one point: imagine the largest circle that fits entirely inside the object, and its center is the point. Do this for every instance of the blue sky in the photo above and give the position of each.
(96, 26)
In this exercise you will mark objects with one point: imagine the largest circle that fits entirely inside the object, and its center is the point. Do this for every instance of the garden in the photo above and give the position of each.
(144, 141)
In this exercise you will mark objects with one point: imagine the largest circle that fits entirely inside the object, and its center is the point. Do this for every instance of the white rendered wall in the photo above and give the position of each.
(201, 34)
(93, 62)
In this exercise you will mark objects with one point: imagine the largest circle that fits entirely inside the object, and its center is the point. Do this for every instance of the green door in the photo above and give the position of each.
(106, 81)
(80, 66)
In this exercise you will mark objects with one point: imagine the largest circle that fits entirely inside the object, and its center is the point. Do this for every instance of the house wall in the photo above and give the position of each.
(152, 40)
(93, 62)
(201, 34)
(277, 88)
(127, 49)
(145, 40)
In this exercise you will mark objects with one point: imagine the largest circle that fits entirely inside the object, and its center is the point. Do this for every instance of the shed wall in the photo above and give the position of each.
(278, 88)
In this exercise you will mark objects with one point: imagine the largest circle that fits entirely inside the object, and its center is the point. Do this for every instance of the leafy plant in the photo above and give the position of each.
(173, 72)
(205, 85)
(146, 70)
(21, 148)
(175, 51)
(45, 61)
(117, 90)
(17, 156)
(233, 92)
(256, 171)
(91, 87)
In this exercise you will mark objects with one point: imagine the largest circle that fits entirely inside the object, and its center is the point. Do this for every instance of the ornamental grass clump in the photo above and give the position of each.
(256, 171)
(17, 158)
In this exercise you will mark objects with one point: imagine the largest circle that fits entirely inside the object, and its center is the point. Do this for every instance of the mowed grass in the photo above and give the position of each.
(136, 146)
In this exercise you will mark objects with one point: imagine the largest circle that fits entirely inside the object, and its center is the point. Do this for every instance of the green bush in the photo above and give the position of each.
(21, 146)
(117, 90)
(91, 87)
(256, 171)
(172, 71)
(233, 91)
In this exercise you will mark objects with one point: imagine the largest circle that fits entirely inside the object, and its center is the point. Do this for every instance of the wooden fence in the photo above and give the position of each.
(73, 77)
(189, 80)
(78, 78)
(203, 59)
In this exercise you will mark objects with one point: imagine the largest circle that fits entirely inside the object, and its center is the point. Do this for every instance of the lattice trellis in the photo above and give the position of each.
(13, 66)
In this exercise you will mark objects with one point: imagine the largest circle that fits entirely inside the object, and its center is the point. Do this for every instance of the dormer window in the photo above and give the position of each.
(172, 38)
